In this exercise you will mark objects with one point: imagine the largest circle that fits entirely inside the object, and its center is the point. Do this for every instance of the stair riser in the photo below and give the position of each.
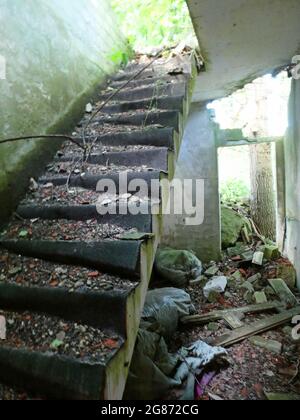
(155, 103)
(90, 182)
(56, 377)
(103, 310)
(155, 159)
(156, 137)
(141, 222)
(165, 119)
(96, 255)
(148, 92)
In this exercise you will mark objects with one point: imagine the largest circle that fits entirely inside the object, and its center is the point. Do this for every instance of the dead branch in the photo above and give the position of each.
(43, 137)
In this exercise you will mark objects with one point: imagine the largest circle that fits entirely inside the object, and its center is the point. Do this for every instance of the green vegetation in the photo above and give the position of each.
(234, 191)
(154, 23)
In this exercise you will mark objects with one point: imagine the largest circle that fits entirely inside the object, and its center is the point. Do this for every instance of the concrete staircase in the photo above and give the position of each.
(73, 282)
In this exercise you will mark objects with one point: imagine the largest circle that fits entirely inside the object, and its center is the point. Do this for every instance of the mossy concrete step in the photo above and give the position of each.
(141, 222)
(99, 255)
(144, 119)
(155, 90)
(150, 136)
(153, 158)
(56, 377)
(165, 102)
(104, 310)
(90, 182)
(150, 81)
(61, 377)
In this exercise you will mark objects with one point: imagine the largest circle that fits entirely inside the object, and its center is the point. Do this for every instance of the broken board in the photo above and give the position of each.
(255, 328)
(230, 316)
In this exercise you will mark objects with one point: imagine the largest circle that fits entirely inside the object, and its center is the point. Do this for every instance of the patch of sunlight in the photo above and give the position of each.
(260, 108)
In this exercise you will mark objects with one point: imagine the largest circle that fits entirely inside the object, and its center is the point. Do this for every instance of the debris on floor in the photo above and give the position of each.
(246, 303)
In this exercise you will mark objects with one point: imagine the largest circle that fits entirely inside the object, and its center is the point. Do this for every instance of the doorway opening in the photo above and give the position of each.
(251, 168)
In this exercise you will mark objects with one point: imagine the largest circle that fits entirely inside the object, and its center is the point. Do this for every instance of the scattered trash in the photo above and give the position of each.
(177, 267)
(217, 284)
(164, 308)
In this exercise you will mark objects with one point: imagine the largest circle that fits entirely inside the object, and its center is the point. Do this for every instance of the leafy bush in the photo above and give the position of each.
(235, 191)
(154, 23)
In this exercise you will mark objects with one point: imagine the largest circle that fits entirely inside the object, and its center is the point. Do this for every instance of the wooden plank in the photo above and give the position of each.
(217, 315)
(283, 291)
(256, 328)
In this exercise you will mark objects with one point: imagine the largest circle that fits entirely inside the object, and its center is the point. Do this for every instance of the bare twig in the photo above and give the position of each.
(135, 76)
(43, 137)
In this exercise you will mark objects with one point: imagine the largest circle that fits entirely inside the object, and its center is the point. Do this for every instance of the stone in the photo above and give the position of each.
(238, 276)
(232, 225)
(257, 277)
(200, 281)
(260, 297)
(271, 252)
(212, 271)
(247, 286)
(248, 297)
(239, 249)
(217, 284)
(14, 271)
(269, 291)
(213, 327)
(258, 258)
(61, 336)
(270, 345)
(288, 331)
(248, 256)
(288, 274)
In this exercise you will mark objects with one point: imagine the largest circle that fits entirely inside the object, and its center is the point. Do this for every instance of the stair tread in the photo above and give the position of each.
(36, 332)
(30, 272)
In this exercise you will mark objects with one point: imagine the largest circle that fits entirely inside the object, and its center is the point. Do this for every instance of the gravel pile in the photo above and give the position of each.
(52, 335)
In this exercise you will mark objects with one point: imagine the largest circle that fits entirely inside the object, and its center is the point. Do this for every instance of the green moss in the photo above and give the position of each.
(232, 224)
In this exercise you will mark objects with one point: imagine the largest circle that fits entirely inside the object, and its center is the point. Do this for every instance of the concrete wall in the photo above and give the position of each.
(242, 40)
(198, 160)
(292, 158)
(57, 52)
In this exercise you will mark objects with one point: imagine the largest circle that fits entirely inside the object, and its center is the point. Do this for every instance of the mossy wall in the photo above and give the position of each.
(56, 53)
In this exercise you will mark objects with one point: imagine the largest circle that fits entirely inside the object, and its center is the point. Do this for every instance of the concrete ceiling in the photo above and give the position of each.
(242, 40)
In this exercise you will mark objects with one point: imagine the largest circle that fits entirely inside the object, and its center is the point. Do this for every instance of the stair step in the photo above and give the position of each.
(154, 158)
(166, 102)
(23, 271)
(104, 310)
(158, 137)
(73, 372)
(141, 222)
(88, 181)
(144, 118)
(99, 255)
(155, 90)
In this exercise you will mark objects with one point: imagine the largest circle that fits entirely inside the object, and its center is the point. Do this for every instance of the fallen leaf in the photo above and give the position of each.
(111, 344)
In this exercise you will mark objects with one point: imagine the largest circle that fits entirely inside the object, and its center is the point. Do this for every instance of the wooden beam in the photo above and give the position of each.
(256, 328)
(230, 315)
